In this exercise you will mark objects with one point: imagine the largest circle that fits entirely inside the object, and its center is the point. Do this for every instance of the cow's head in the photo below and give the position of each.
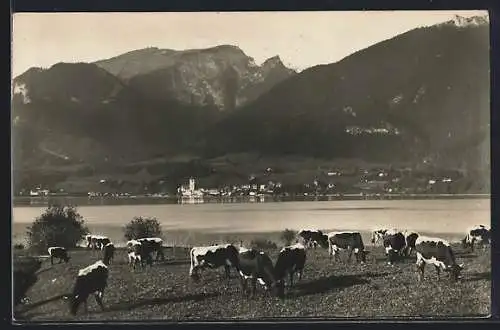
(277, 289)
(454, 271)
(66, 258)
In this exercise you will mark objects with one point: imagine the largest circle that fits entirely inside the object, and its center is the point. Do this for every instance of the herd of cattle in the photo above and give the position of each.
(256, 266)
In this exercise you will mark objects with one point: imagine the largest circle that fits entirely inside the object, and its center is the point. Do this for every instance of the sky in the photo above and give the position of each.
(301, 39)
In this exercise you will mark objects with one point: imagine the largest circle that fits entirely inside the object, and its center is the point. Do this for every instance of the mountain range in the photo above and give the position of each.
(422, 96)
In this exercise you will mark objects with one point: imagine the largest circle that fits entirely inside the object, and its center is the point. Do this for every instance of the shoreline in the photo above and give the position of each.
(20, 201)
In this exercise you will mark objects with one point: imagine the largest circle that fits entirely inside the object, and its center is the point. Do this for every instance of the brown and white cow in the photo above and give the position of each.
(213, 256)
(395, 245)
(91, 279)
(410, 238)
(350, 241)
(256, 266)
(58, 252)
(437, 252)
(291, 260)
(96, 242)
(154, 245)
(138, 254)
(378, 236)
(313, 238)
(479, 235)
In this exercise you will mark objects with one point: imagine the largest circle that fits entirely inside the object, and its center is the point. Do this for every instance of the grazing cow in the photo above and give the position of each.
(313, 238)
(411, 238)
(351, 241)
(395, 245)
(109, 252)
(154, 244)
(477, 234)
(257, 266)
(291, 259)
(138, 254)
(59, 253)
(96, 242)
(437, 252)
(378, 236)
(213, 256)
(91, 279)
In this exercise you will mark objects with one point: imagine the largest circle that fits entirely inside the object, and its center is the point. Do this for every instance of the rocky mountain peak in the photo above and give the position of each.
(462, 22)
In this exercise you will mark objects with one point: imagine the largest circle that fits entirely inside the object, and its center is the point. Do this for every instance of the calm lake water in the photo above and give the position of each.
(426, 216)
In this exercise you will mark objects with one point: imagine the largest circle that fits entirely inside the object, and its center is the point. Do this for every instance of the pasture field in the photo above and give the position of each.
(327, 290)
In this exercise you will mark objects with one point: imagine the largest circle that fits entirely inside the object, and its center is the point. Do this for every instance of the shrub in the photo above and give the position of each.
(287, 236)
(57, 226)
(261, 243)
(140, 227)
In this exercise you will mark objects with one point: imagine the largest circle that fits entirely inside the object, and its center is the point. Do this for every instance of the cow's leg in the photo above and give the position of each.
(85, 306)
(291, 279)
(98, 298)
(60, 260)
(160, 255)
(51, 260)
(349, 251)
(254, 285)
(438, 271)
(300, 274)
(244, 288)
(420, 269)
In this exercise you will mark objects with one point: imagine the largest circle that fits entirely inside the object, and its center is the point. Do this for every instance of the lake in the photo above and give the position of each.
(200, 223)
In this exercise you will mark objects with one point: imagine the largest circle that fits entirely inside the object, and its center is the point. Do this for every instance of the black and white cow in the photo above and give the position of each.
(479, 235)
(154, 244)
(138, 254)
(59, 253)
(350, 241)
(91, 279)
(291, 260)
(437, 252)
(213, 256)
(313, 238)
(256, 266)
(395, 245)
(109, 252)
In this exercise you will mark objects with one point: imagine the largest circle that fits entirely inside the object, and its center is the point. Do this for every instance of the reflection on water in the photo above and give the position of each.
(137, 200)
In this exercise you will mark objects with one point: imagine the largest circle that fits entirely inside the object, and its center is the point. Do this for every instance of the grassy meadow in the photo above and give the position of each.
(327, 290)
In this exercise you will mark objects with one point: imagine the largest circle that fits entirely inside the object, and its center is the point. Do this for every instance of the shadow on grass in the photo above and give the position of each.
(44, 270)
(159, 301)
(327, 283)
(26, 308)
(478, 277)
(467, 256)
(375, 275)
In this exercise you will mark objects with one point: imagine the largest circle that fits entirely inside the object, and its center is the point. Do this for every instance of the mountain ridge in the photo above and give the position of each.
(421, 97)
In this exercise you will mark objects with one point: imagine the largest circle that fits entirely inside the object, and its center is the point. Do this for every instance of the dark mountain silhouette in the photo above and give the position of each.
(222, 76)
(80, 113)
(421, 96)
